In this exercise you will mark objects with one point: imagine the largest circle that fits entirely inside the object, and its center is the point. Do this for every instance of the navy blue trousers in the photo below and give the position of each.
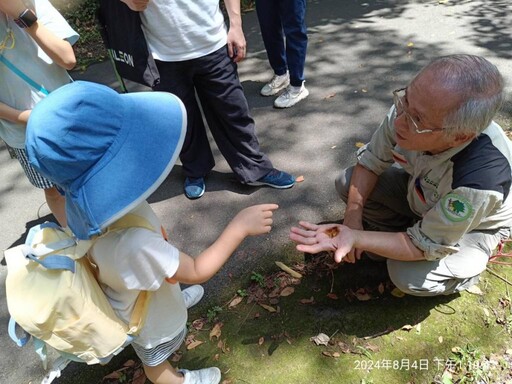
(280, 19)
(215, 79)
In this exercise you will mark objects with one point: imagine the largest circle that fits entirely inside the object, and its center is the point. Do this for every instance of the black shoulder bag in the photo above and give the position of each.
(122, 34)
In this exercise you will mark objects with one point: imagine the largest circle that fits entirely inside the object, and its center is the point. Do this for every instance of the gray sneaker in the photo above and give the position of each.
(192, 295)
(275, 85)
(291, 96)
(201, 376)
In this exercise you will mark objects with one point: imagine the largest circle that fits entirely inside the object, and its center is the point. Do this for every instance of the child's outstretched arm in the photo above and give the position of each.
(251, 221)
(59, 50)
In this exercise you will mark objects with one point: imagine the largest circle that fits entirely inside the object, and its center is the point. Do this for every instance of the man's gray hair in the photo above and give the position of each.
(480, 85)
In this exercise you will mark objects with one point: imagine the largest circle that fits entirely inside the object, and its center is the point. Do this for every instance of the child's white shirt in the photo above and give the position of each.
(138, 259)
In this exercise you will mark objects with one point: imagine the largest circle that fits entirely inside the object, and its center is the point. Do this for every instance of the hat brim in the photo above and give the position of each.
(155, 125)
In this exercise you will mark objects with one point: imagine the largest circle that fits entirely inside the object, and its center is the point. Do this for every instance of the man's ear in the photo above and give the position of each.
(463, 137)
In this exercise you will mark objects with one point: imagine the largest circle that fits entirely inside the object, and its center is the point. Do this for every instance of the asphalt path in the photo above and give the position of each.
(359, 52)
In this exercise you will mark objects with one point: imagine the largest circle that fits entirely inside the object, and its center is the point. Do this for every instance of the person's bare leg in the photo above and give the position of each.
(163, 373)
(57, 204)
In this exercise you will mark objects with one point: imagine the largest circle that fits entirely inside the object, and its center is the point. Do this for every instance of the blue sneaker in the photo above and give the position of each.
(194, 187)
(275, 179)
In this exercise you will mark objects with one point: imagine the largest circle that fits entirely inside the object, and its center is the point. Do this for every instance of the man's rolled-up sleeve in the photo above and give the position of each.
(439, 232)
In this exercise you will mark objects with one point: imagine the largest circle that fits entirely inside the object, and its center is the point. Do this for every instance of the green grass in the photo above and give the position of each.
(371, 341)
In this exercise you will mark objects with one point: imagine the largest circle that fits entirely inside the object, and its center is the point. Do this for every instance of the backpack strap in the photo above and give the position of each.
(42, 249)
(142, 303)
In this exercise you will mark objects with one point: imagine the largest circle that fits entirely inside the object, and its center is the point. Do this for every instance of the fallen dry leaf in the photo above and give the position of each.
(198, 324)
(329, 96)
(216, 357)
(372, 348)
(194, 344)
(397, 293)
(381, 288)
(410, 44)
(268, 307)
(332, 296)
(362, 295)
(237, 300)
(327, 353)
(288, 270)
(407, 327)
(475, 290)
(216, 332)
(336, 354)
(320, 339)
(287, 291)
(261, 340)
(486, 312)
(440, 339)
(139, 377)
(345, 348)
(112, 376)
(311, 300)
(256, 315)
(299, 179)
(129, 363)
(359, 144)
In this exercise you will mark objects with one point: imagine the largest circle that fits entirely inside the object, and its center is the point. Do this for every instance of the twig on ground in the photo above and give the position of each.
(389, 330)
(498, 276)
(245, 319)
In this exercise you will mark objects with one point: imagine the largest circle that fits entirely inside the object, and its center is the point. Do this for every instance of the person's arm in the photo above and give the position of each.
(136, 5)
(361, 186)
(59, 50)
(14, 115)
(341, 239)
(252, 221)
(236, 40)
(362, 183)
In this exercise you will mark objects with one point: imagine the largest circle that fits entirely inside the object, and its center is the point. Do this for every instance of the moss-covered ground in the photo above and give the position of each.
(260, 330)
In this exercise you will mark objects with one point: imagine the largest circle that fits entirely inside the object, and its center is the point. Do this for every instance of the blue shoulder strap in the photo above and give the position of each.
(20, 341)
(23, 76)
(55, 262)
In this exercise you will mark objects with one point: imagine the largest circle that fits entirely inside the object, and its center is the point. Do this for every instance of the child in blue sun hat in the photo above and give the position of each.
(108, 153)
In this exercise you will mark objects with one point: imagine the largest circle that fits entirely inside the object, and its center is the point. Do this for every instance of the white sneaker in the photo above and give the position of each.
(291, 96)
(201, 376)
(275, 85)
(192, 295)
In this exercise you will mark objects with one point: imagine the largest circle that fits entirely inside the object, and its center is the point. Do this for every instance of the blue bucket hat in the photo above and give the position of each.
(107, 151)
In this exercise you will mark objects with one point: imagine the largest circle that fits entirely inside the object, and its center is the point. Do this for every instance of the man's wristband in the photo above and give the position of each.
(26, 19)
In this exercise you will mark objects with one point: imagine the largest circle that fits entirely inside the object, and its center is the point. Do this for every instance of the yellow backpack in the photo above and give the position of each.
(54, 296)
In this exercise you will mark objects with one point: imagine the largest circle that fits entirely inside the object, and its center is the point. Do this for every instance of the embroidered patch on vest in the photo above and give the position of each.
(455, 207)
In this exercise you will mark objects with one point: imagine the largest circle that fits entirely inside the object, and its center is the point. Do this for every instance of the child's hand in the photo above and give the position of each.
(255, 220)
(23, 116)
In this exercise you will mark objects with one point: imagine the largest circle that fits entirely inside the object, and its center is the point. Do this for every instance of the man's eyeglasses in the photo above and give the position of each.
(400, 107)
